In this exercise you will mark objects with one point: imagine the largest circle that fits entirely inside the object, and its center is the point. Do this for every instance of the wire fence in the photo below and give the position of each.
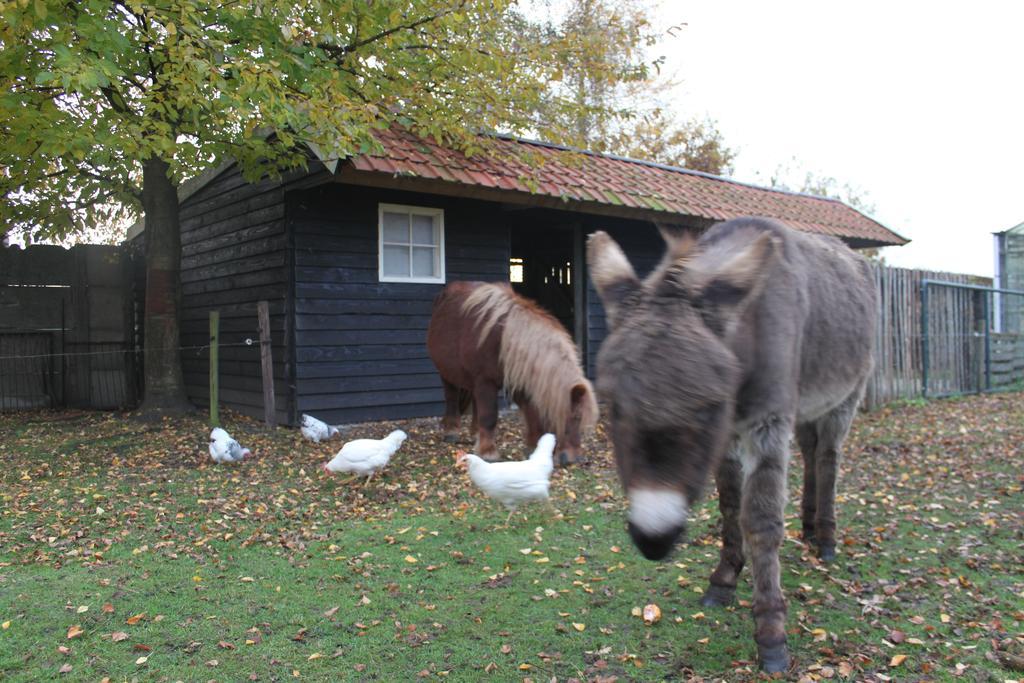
(35, 375)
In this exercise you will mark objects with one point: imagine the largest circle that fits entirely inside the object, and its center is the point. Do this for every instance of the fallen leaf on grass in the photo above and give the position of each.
(331, 612)
(64, 669)
(141, 660)
(131, 621)
(579, 627)
(118, 636)
(896, 660)
(75, 631)
(225, 645)
(651, 614)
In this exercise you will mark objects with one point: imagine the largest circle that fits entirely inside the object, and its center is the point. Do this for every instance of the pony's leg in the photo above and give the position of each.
(765, 459)
(807, 439)
(832, 430)
(452, 419)
(729, 479)
(485, 399)
(474, 423)
(531, 422)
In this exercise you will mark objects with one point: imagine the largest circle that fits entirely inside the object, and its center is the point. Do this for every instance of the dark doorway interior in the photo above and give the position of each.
(541, 269)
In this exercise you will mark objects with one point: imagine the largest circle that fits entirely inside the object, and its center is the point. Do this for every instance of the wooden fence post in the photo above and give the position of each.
(267, 361)
(214, 369)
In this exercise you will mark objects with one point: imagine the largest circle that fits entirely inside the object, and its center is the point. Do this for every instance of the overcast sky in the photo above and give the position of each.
(919, 104)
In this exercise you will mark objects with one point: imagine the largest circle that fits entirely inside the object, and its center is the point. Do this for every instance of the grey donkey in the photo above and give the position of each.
(733, 342)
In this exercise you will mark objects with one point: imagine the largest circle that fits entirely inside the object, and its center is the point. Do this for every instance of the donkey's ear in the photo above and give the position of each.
(609, 268)
(680, 241)
(724, 292)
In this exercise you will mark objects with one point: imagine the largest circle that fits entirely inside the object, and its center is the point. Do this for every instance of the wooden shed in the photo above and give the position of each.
(351, 253)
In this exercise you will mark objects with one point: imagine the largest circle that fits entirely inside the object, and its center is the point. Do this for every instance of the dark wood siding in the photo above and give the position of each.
(360, 344)
(234, 254)
(644, 248)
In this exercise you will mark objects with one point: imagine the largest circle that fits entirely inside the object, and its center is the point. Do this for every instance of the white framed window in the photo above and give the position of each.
(411, 244)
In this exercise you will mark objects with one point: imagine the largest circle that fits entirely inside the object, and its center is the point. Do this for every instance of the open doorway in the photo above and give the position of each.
(541, 268)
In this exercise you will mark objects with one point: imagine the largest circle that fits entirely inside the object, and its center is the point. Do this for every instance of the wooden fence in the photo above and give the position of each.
(957, 319)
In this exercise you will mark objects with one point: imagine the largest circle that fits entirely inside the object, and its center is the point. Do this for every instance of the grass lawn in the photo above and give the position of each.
(125, 554)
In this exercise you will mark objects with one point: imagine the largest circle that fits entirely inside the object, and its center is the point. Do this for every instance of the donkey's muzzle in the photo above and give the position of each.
(655, 546)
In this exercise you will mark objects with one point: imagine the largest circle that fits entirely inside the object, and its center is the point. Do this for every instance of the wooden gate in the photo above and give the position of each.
(65, 328)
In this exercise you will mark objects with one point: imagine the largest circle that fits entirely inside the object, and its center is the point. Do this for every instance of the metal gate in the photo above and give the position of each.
(971, 339)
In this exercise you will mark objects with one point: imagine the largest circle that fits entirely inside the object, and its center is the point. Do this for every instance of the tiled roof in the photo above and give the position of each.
(646, 188)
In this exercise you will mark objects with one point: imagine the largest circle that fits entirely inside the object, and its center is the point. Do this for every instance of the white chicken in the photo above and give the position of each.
(517, 482)
(225, 449)
(366, 457)
(317, 430)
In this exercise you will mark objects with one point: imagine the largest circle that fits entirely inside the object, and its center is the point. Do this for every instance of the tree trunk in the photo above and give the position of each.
(164, 391)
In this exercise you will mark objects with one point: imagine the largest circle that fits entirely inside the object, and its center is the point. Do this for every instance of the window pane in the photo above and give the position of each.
(396, 261)
(396, 227)
(423, 229)
(423, 262)
(515, 270)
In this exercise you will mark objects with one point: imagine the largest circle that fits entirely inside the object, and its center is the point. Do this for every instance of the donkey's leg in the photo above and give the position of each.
(807, 438)
(832, 430)
(485, 401)
(452, 419)
(722, 585)
(765, 459)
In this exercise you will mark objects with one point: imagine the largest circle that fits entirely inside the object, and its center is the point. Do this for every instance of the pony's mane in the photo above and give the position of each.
(537, 355)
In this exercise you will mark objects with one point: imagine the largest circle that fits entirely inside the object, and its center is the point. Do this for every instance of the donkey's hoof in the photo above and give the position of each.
(718, 596)
(450, 438)
(827, 553)
(773, 659)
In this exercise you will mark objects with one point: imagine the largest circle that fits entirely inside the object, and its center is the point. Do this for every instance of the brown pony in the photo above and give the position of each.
(484, 336)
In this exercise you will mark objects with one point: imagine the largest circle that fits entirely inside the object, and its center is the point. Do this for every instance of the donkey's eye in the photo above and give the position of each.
(706, 414)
